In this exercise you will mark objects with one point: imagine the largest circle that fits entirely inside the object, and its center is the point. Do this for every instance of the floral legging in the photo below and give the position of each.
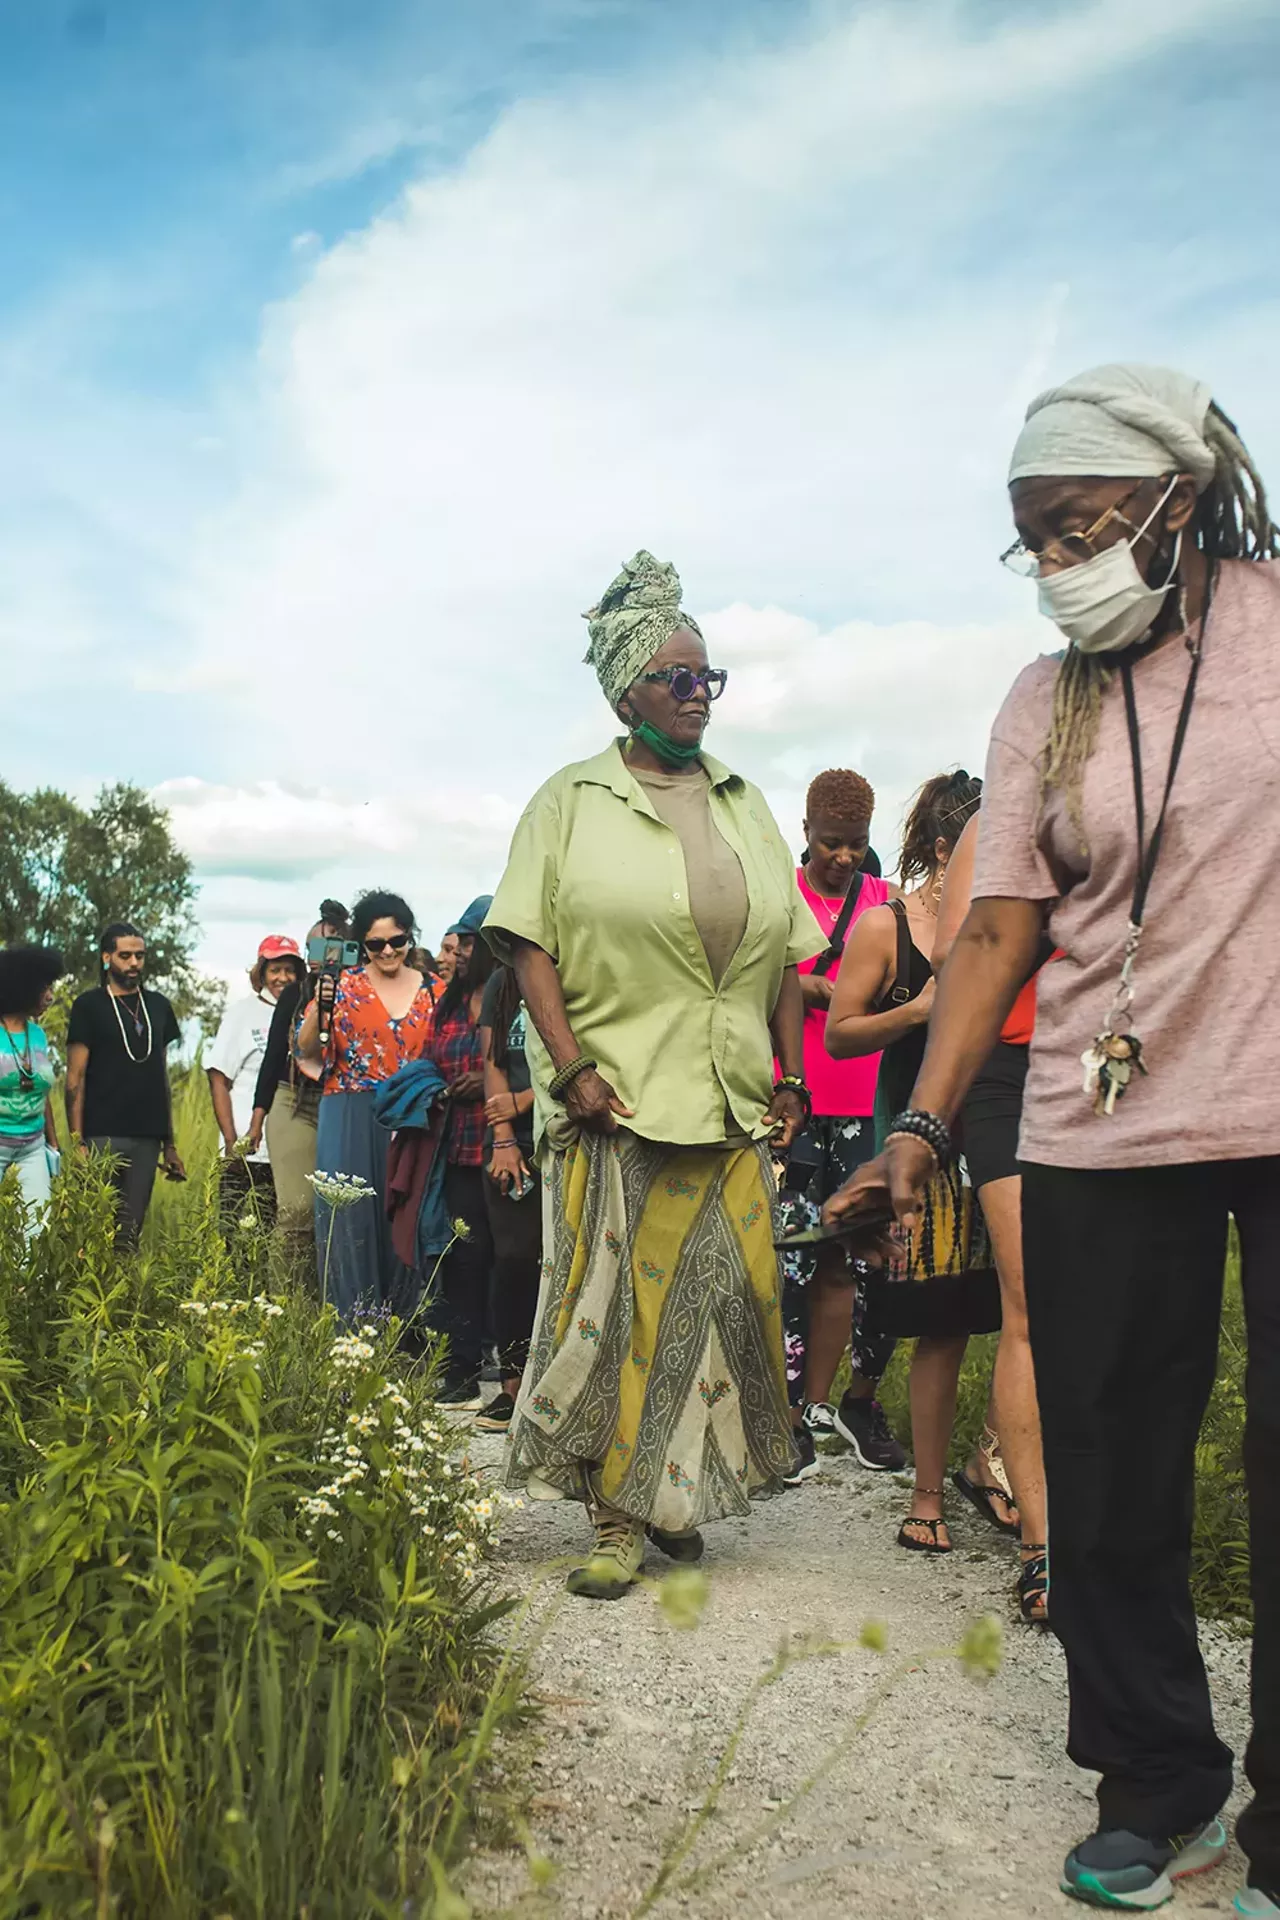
(827, 1154)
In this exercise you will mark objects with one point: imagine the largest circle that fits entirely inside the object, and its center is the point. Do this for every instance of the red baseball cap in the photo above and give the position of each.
(278, 946)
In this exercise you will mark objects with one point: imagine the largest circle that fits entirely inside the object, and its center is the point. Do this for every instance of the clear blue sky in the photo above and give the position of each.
(344, 353)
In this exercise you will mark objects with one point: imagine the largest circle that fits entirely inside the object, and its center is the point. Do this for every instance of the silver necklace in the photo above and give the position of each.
(137, 1058)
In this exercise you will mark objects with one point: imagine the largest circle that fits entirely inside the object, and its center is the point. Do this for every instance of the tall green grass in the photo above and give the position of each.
(1220, 1551)
(243, 1615)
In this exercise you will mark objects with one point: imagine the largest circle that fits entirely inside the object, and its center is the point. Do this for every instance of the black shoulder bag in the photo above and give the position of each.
(840, 932)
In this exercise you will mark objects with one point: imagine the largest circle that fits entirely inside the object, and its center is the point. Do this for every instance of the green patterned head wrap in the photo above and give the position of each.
(636, 617)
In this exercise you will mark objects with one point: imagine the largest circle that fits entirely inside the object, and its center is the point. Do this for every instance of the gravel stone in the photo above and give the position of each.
(956, 1798)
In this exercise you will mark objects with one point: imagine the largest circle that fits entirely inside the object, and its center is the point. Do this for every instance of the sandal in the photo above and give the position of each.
(1033, 1586)
(932, 1545)
(983, 1498)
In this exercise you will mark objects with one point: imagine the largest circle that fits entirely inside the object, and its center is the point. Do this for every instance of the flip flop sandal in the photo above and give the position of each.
(933, 1544)
(1033, 1586)
(983, 1499)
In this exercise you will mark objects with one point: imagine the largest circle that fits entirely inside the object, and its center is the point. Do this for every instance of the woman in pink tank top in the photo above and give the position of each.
(823, 1304)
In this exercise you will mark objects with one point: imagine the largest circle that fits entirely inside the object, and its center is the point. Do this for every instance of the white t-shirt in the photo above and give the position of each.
(237, 1052)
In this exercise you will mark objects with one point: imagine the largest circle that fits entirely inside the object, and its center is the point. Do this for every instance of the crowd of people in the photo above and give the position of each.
(671, 1129)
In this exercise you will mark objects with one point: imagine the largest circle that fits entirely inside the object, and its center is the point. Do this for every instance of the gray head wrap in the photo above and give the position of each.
(1119, 421)
(637, 615)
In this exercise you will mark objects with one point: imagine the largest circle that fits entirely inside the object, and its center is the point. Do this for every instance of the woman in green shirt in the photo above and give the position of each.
(651, 913)
(28, 1136)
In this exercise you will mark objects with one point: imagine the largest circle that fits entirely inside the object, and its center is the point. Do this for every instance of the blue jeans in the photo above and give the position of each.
(30, 1159)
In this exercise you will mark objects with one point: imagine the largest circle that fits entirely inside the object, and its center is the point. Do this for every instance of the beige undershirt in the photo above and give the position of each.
(717, 884)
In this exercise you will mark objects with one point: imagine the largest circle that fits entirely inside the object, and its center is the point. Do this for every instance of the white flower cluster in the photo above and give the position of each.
(448, 1504)
(340, 1189)
(351, 1353)
(202, 1309)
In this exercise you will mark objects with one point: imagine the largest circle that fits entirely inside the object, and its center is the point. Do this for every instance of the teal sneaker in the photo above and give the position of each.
(1256, 1902)
(1120, 1869)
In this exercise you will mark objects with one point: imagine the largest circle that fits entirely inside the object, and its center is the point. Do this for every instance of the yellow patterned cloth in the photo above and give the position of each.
(656, 1381)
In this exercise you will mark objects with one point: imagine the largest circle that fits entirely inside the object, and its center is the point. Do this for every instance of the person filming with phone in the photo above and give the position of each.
(286, 1100)
(117, 1091)
(361, 1027)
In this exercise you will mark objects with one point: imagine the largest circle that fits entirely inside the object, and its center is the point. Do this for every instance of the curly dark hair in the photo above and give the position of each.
(25, 974)
(938, 812)
(380, 905)
(839, 794)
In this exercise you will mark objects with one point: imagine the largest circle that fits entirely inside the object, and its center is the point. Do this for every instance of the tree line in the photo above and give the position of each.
(67, 871)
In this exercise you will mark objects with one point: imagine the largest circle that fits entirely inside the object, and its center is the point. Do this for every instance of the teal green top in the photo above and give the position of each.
(22, 1105)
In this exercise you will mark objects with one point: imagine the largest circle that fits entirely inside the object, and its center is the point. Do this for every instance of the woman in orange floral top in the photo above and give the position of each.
(379, 1017)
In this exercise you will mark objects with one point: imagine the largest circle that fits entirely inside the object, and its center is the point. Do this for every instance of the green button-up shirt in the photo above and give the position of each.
(598, 880)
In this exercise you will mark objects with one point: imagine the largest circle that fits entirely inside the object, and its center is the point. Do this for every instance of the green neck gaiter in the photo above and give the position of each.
(664, 746)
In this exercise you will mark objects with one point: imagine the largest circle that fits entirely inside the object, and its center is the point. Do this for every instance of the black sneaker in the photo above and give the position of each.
(820, 1419)
(498, 1415)
(1119, 1869)
(684, 1547)
(863, 1425)
(808, 1463)
(459, 1396)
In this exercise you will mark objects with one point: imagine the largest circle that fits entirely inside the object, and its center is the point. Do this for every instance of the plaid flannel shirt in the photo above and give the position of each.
(455, 1048)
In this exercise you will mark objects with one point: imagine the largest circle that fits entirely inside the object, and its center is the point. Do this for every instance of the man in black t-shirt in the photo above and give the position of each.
(117, 1078)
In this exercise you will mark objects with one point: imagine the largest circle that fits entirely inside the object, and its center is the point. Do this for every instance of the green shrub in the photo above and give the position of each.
(242, 1618)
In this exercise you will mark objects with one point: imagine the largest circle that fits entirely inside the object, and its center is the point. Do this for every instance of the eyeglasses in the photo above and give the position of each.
(1075, 547)
(684, 682)
(396, 942)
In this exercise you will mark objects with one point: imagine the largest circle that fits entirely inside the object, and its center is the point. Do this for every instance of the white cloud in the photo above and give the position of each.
(769, 310)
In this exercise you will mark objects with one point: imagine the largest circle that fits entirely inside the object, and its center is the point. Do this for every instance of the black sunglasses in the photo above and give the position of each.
(395, 941)
(684, 682)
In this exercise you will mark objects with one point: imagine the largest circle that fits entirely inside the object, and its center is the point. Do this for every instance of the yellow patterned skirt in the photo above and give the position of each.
(656, 1380)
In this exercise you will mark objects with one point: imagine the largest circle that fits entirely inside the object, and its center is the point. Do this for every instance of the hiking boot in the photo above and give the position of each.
(498, 1415)
(820, 1418)
(684, 1547)
(1121, 1869)
(1257, 1902)
(863, 1425)
(614, 1563)
(808, 1462)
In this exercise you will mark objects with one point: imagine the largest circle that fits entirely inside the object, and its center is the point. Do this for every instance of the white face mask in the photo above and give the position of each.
(1104, 604)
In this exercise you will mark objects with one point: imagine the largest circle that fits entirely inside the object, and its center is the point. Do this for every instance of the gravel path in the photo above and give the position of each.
(957, 1799)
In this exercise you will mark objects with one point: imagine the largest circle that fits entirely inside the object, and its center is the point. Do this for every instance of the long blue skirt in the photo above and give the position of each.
(358, 1268)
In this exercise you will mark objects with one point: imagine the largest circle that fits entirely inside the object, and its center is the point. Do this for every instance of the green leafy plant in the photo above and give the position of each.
(244, 1624)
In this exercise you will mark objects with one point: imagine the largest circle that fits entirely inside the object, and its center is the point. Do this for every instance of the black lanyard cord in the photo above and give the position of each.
(1149, 851)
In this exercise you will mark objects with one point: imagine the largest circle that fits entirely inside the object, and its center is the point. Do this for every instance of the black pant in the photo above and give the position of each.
(516, 1227)
(134, 1180)
(457, 1309)
(1124, 1290)
(245, 1188)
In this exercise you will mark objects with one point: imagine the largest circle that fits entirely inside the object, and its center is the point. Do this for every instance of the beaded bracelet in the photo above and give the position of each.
(562, 1081)
(924, 1126)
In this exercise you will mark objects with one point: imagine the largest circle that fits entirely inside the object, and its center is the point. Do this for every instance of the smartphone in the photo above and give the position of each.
(519, 1191)
(331, 954)
(855, 1226)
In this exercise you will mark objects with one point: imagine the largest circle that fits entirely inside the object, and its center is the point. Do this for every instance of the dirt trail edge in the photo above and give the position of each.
(956, 1799)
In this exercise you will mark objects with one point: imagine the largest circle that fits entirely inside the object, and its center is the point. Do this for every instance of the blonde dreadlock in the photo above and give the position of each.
(1232, 521)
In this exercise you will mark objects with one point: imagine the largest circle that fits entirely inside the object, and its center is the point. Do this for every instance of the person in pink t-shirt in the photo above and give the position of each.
(1123, 772)
(823, 1303)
